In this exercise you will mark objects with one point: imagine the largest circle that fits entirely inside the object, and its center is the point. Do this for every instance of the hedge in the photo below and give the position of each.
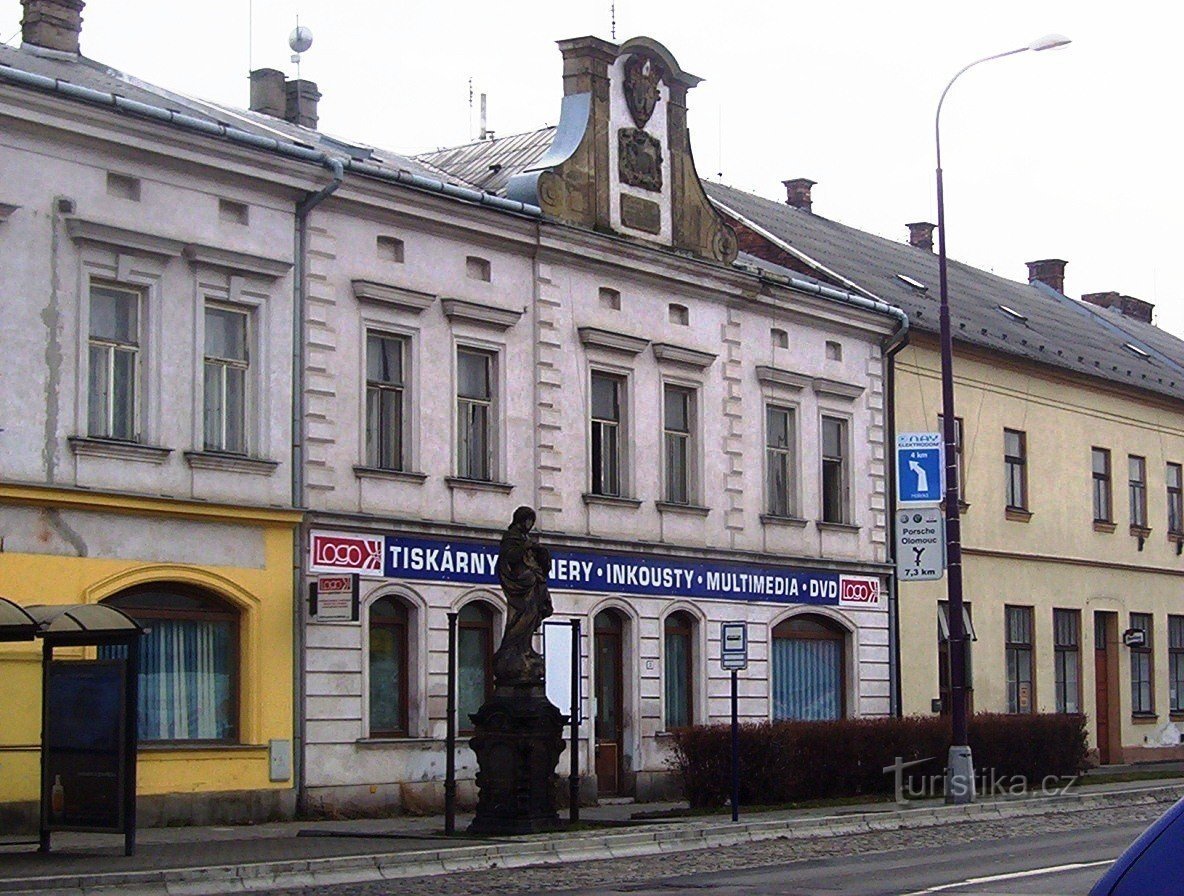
(785, 762)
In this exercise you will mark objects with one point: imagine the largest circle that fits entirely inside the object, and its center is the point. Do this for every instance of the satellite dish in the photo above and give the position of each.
(300, 39)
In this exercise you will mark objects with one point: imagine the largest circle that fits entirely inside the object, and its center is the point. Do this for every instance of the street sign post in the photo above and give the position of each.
(920, 544)
(733, 655)
(919, 469)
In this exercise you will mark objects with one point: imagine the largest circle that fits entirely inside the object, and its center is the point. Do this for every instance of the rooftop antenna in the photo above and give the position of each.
(612, 10)
(470, 108)
(299, 40)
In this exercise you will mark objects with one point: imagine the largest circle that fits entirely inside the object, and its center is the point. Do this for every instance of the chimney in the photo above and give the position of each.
(1128, 306)
(52, 24)
(797, 192)
(268, 94)
(302, 103)
(1049, 271)
(921, 235)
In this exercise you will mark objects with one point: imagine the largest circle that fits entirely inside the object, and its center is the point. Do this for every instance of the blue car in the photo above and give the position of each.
(1151, 866)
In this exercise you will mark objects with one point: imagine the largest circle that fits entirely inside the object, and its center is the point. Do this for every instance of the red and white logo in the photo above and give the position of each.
(857, 591)
(342, 552)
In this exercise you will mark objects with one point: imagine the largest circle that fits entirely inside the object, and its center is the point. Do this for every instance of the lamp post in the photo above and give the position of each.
(959, 767)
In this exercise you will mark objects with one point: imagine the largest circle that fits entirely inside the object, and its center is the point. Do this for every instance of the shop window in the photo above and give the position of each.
(386, 396)
(809, 669)
(1066, 626)
(189, 663)
(388, 668)
(474, 661)
(1142, 691)
(113, 393)
(679, 670)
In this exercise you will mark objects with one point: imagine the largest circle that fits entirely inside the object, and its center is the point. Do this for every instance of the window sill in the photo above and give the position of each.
(1140, 531)
(409, 741)
(1176, 715)
(793, 522)
(116, 450)
(1018, 514)
(828, 526)
(198, 746)
(611, 500)
(1105, 526)
(397, 475)
(230, 463)
(479, 485)
(685, 509)
(1144, 718)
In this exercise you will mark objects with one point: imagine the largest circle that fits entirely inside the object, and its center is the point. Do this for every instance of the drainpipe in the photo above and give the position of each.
(898, 342)
(299, 294)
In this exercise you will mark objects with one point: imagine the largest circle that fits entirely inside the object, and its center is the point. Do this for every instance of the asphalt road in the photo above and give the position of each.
(978, 857)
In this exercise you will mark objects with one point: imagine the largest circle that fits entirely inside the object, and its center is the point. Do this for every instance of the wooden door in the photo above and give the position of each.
(609, 702)
(1102, 684)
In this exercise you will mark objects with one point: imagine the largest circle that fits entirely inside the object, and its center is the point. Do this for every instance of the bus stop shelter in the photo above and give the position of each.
(89, 716)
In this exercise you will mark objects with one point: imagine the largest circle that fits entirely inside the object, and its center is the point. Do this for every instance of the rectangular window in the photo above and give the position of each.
(1103, 507)
(1176, 662)
(1066, 625)
(607, 399)
(679, 419)
(1020, 695)
(385, 397)
(1138, 487)
(1142, 692)
(834, 470)
(1175, 483)
(225, 385)
(114, 363)
(474, 414)
(944, 673)
(1015, 464)
(960, 467)
(779, 466)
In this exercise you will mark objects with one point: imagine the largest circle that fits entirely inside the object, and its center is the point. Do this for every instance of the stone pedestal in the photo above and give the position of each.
(518, 741)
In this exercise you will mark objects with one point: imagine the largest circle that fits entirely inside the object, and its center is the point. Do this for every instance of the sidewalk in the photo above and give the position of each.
(221, 860)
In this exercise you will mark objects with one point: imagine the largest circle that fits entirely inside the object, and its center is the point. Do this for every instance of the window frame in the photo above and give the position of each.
(1143, 661)
(809, 626)
(111, 346)
(1176, 663)
(491, 405)
(689, 441)
(1137, 490)
(600, 428)
(224, 365)
(1175, 496)
(485, 626)
(1067, 657)
(399, 624)
(843, 460)
(1015, 650)
(679, 623)
(377, 455)
(1103, 485)
(784, 456)
(1015, 467)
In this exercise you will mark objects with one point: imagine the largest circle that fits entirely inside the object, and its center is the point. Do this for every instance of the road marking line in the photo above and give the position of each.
(1010, 876)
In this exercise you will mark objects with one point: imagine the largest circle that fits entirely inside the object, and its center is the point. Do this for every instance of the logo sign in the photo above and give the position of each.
(860, 591)
(1134, 637)
(920, 544)
(733, 645)
(345, 552)
(334, 598)
(919, 468)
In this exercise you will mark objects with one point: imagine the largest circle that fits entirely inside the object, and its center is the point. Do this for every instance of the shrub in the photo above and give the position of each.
(784, 762)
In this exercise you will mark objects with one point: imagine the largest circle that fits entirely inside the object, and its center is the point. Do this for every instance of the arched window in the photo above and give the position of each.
(808, 669)
(189, 662)
(679, 670)
(388, 668)
(474, 649)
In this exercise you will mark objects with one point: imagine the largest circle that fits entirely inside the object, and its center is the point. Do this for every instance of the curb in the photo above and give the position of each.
(554, 849)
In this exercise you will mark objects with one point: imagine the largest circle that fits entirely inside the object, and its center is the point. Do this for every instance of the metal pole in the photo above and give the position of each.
(735, 751)
(450, 738)
(577, 708)
(46, 659)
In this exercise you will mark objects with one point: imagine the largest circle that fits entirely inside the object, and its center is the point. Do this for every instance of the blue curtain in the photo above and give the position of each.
(678, 688)
(807, 679)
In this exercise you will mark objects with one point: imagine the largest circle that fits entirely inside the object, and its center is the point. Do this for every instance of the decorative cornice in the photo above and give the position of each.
(687, 357)
(115, 450)
(616, 342)
(611, 500)
(688, 509)
(775, 376)
(772, 519)
(836, 389)
(239, 262)
(396, 475)
(6, 210)
(830, 526)
(479, 485)
(396, 297)
(486, 315)
(229, 463)
(83, 231)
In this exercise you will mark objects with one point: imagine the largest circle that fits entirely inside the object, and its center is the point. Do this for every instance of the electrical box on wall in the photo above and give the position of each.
(280, 760)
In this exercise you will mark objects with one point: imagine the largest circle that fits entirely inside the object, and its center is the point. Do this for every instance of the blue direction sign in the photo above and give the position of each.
(919, 472)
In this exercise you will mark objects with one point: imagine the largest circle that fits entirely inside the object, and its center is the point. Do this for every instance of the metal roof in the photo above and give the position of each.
(15, 623)
(489, 164)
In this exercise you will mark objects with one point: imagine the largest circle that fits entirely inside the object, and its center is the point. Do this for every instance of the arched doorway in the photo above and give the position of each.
(608, 635)
(809, 662)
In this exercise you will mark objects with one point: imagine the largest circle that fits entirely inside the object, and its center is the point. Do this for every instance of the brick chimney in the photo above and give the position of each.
(1049, 271)
(1128, 306)
(921, 235)
(53, 24)
(301, 106)
(797, 192)
(268, 93)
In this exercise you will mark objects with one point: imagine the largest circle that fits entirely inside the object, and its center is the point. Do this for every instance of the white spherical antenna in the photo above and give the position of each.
(300, 39)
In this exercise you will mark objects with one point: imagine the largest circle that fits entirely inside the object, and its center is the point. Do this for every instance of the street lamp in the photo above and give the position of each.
(959, 767)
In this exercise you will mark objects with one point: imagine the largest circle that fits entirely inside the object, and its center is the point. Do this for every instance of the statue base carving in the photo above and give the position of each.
(518, 741)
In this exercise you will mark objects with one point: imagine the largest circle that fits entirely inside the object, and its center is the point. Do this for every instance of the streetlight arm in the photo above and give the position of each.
(961, 72)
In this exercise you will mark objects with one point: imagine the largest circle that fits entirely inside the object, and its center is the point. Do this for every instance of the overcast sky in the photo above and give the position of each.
(1072, 153)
